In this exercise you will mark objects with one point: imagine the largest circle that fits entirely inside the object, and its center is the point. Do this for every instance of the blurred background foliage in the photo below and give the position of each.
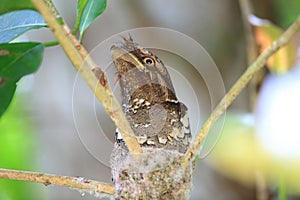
(17, 150)
(281, 12)
(38, 131)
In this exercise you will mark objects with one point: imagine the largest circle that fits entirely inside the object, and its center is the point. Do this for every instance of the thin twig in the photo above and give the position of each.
(251, 48)
(86, 67)
(252, 52)
(262, 192)
(247, 11)
(237, 88)
(79, 183)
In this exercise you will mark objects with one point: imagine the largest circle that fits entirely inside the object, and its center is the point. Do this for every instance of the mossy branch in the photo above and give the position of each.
(258, 64)
(92, 75)
(80, 183)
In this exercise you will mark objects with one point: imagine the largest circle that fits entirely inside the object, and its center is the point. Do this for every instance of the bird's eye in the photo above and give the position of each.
(148, 61)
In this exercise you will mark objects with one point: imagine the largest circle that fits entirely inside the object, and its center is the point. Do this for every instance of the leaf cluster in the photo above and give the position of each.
(18, 59)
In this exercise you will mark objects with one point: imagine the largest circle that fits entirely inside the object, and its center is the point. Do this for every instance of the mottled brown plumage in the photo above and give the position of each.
(149, 100)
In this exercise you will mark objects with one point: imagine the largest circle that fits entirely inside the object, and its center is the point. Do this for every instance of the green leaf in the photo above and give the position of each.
(19, 59)
(80, 8)
(11, 5)
(15, 23)
(16, 60)
(286, 11)
(17, 150)
(6, 93)
(91, 10)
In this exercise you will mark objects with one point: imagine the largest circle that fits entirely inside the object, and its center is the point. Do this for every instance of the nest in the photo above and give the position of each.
(156, 174)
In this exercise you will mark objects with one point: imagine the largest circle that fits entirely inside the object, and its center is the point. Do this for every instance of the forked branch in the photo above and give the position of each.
(93, 76)
(85, 66)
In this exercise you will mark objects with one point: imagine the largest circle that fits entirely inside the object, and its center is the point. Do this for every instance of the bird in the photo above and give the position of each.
(156, 116)
(160, 123)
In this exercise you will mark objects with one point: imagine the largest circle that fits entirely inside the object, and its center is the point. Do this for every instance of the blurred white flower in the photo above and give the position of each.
(278, 114)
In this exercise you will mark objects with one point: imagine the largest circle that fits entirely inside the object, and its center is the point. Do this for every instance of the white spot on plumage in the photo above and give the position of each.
(146, 125)
(172, 100)
(135, 100)
(185, 120)
(118, 135)
(142, 139)
(173, 121)
(141, 101)
(162, 139)
(150, 142)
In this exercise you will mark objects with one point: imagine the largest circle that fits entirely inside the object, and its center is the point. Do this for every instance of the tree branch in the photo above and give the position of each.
(252, 52)
(93, 76)
(79, 183)
(237, 88)
(251, 49)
